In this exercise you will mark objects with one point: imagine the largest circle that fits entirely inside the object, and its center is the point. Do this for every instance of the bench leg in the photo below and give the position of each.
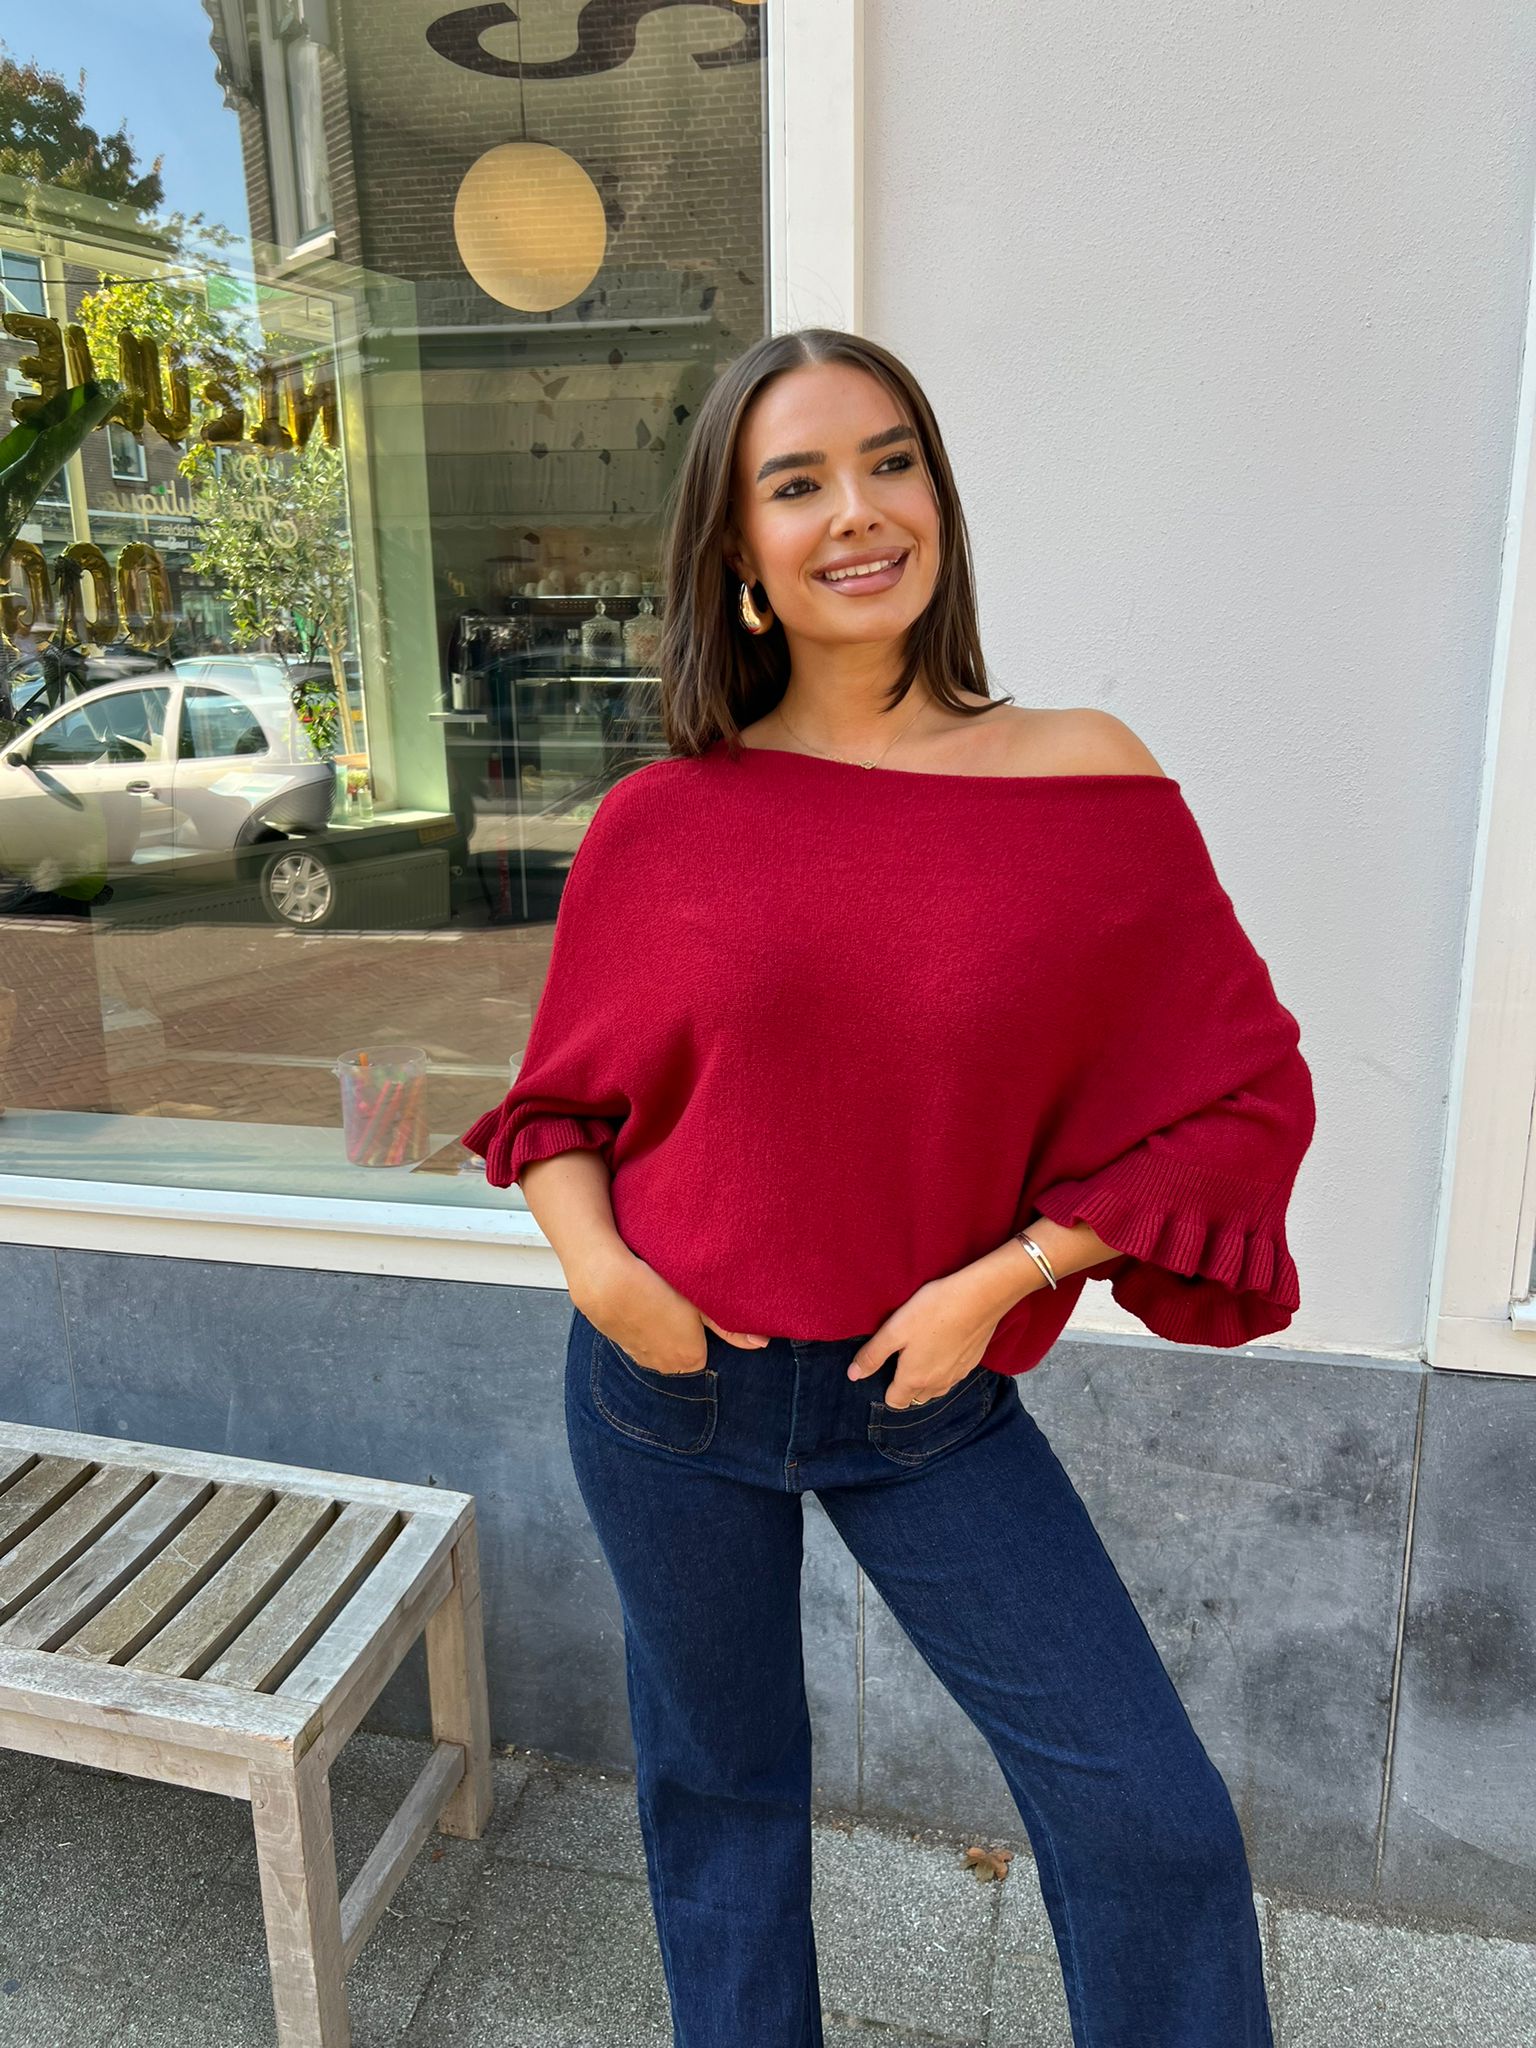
(291, 1812)
(456, 1683)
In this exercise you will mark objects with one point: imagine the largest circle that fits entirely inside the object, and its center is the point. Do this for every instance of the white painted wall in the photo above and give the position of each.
(1220, 307)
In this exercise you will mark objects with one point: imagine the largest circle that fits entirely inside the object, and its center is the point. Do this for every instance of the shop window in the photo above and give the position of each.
(320, 709)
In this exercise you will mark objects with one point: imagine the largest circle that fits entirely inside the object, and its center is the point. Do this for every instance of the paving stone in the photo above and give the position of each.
(869, 2034)
(1349, 1984)
(130, 1914)
(130, 1911)
(19, 1774)
(213, 1986)
(1029, 2002)
(548, 1958)
(903, 1932)
(1029, 1998)
(576, 1819)
(99, 1875)
(369, 1780)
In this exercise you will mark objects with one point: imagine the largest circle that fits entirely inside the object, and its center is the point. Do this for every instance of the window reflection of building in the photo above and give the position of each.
(21, 282)
(129, 463)
(292, 34)
(529, 451)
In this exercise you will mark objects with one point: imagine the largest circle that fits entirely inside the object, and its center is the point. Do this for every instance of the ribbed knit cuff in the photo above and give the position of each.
(1208, 1259)
(508, 1141)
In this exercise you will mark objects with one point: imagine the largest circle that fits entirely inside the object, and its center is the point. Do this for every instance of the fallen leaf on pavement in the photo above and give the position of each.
(989, 1865)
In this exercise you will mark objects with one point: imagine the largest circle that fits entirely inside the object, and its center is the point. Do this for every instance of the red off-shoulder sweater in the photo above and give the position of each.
(839, 1031)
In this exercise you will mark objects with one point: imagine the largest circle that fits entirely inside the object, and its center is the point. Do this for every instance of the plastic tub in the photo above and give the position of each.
(383, 1107)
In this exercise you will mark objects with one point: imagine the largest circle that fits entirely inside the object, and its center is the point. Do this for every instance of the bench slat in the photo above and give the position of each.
(171, 1577)
(282, 1479)
(12, 1465)
(274, 1641)
(213, 1617)
(37, 1493)
(74, 1596)
(165, 1710)
(71, 1528)
(366, 1629)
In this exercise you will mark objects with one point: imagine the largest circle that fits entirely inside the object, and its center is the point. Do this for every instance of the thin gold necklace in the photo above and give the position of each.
(825, 756)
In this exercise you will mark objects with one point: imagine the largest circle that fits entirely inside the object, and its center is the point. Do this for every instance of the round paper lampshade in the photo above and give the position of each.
(530, 226)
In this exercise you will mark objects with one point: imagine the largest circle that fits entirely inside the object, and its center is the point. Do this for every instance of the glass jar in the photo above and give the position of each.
(602, 639)
(642, 637)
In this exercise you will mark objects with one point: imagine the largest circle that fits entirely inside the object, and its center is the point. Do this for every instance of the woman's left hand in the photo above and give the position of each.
(941, 1332)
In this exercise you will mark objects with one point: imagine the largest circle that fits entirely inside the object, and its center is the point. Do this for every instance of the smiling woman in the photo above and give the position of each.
(817, 457)
(843, 1077)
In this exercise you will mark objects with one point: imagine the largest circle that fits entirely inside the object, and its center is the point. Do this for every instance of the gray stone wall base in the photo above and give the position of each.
(1332, 1554)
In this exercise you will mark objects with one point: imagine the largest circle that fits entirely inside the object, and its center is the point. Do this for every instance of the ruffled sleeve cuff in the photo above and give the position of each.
(509, 1138)
(1205, 1259)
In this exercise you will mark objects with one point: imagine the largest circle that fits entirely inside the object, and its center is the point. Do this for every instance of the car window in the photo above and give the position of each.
(125, 727)
(76, 737)
(214, 724)
(234, 673)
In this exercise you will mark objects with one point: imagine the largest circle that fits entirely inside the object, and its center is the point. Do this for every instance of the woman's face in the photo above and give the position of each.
(807, 493)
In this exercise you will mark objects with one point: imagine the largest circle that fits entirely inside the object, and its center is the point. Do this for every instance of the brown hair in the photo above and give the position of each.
(717, 677)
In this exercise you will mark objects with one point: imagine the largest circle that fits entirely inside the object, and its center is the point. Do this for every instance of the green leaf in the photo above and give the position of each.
(34, 452)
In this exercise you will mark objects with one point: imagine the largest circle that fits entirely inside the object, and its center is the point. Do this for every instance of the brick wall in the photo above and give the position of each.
(675, 150)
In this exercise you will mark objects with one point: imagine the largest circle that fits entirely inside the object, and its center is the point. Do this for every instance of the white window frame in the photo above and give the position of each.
(1481, 1310)
(282, 149)
(116, 435)
(814, 151)
(8, 299)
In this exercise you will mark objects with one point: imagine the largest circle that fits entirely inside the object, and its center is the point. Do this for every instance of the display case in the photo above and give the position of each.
(546, 705)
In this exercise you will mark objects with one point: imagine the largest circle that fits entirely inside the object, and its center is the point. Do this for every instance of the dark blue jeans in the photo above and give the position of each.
(976, 1539)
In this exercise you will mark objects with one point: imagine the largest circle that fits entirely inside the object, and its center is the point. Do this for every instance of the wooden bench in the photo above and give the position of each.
(225, 1624)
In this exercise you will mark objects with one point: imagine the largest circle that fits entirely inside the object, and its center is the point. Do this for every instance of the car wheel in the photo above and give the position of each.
(298, 888)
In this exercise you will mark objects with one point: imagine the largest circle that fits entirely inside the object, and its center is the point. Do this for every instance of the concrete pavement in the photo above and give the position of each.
(130, 1913)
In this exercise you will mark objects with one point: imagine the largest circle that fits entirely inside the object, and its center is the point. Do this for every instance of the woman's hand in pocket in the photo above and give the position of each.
(940, 1332)
(646, 1317)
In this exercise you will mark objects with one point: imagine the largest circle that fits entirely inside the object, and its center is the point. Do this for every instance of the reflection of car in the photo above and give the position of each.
(136, 783)
(238, 672)
(35, 685)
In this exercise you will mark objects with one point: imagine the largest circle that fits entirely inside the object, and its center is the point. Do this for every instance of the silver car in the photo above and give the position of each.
(169, 776)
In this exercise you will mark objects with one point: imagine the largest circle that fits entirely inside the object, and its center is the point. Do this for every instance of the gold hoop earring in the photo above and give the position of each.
(754, 620)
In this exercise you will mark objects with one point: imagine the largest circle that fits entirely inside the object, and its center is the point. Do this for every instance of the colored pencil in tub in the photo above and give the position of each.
(405, 1130)
(377, 1124)
(404, 1117)
(365, 1105)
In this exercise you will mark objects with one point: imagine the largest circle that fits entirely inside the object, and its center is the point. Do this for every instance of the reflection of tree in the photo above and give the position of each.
(272, 534)
(272, 526)
(45, 140)
(31, 455)
(190, 319)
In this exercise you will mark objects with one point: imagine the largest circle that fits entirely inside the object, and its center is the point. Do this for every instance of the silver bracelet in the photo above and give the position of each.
(1036, 1254)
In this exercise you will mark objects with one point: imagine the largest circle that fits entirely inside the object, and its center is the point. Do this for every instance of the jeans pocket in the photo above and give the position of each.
(911, 1435)
(674, 1410)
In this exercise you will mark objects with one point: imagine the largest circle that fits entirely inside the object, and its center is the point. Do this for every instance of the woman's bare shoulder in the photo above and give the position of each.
(1080, 740)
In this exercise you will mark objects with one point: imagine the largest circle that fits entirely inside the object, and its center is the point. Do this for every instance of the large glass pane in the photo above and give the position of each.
(366, 342)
